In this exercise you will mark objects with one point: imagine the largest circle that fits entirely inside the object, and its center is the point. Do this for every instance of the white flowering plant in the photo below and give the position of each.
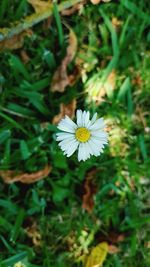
(88, 136)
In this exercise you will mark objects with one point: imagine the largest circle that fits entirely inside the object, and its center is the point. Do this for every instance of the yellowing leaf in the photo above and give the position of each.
(40, 6)
(33, 232)
(97, 255)
(97, 89)
(19, 264)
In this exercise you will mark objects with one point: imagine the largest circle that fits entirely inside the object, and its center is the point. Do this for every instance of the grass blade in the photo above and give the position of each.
(143, 147)
(59, 24)
(124, 89)
(135, 10)
(16, 228)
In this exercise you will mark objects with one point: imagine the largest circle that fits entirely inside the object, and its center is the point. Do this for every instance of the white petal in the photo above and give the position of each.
(79, 117)
(97, 125)
(92, 120)
(70, 122)
(88, 151)
(100, 144)
(62, 136)
(87, 119)
(100, 134)
(95, 149)
(82, 152)
(72, 149)
(83, 118)
(65, 144)
(64, 126)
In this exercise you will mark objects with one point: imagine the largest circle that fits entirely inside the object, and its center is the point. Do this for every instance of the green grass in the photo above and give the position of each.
(54, 205)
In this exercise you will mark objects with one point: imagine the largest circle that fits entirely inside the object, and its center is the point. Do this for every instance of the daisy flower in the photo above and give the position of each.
(88, 136)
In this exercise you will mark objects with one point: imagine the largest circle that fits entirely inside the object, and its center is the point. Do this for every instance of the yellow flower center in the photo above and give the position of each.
(82, 134)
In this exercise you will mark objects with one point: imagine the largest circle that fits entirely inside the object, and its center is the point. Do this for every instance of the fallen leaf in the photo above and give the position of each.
(60, 79)
(113, 249)
(24, 56)
(97, 256)
(137, 81)
(40, 6)
(74, 76)
(33, 232)
(68, 110)
(15, 42)
(147, 244)
(112, 237)
(26, 178)
(95, 2)
(47, 23)
(73, 9)
(90, 190)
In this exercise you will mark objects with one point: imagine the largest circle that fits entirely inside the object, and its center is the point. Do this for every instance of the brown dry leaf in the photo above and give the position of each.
(33, 232)
(15, 42)
(74, 76)
(26, 178)
(113, 249)
(90, 190)
(47, 23)
(40, 6)
(140, 116)
(147, 244)
(73, 9)
(68, 110)
(24, 56)
(137, 81)
(60, 79)
(95, 2)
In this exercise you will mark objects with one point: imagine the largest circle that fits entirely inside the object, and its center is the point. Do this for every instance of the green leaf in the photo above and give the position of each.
(11, 207)
(16, 228)
(50, 59)
(13, 122)
(124, 89)
(59, 161)
(14, 259)
(37, 86)
(112, 30)
(129, 102)
(143, 147)
(59, 193)
(59, 25)
(4, 135)
(122, 38)
(20, 109)
(24, 150)
(135, 10)
(19, 67)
